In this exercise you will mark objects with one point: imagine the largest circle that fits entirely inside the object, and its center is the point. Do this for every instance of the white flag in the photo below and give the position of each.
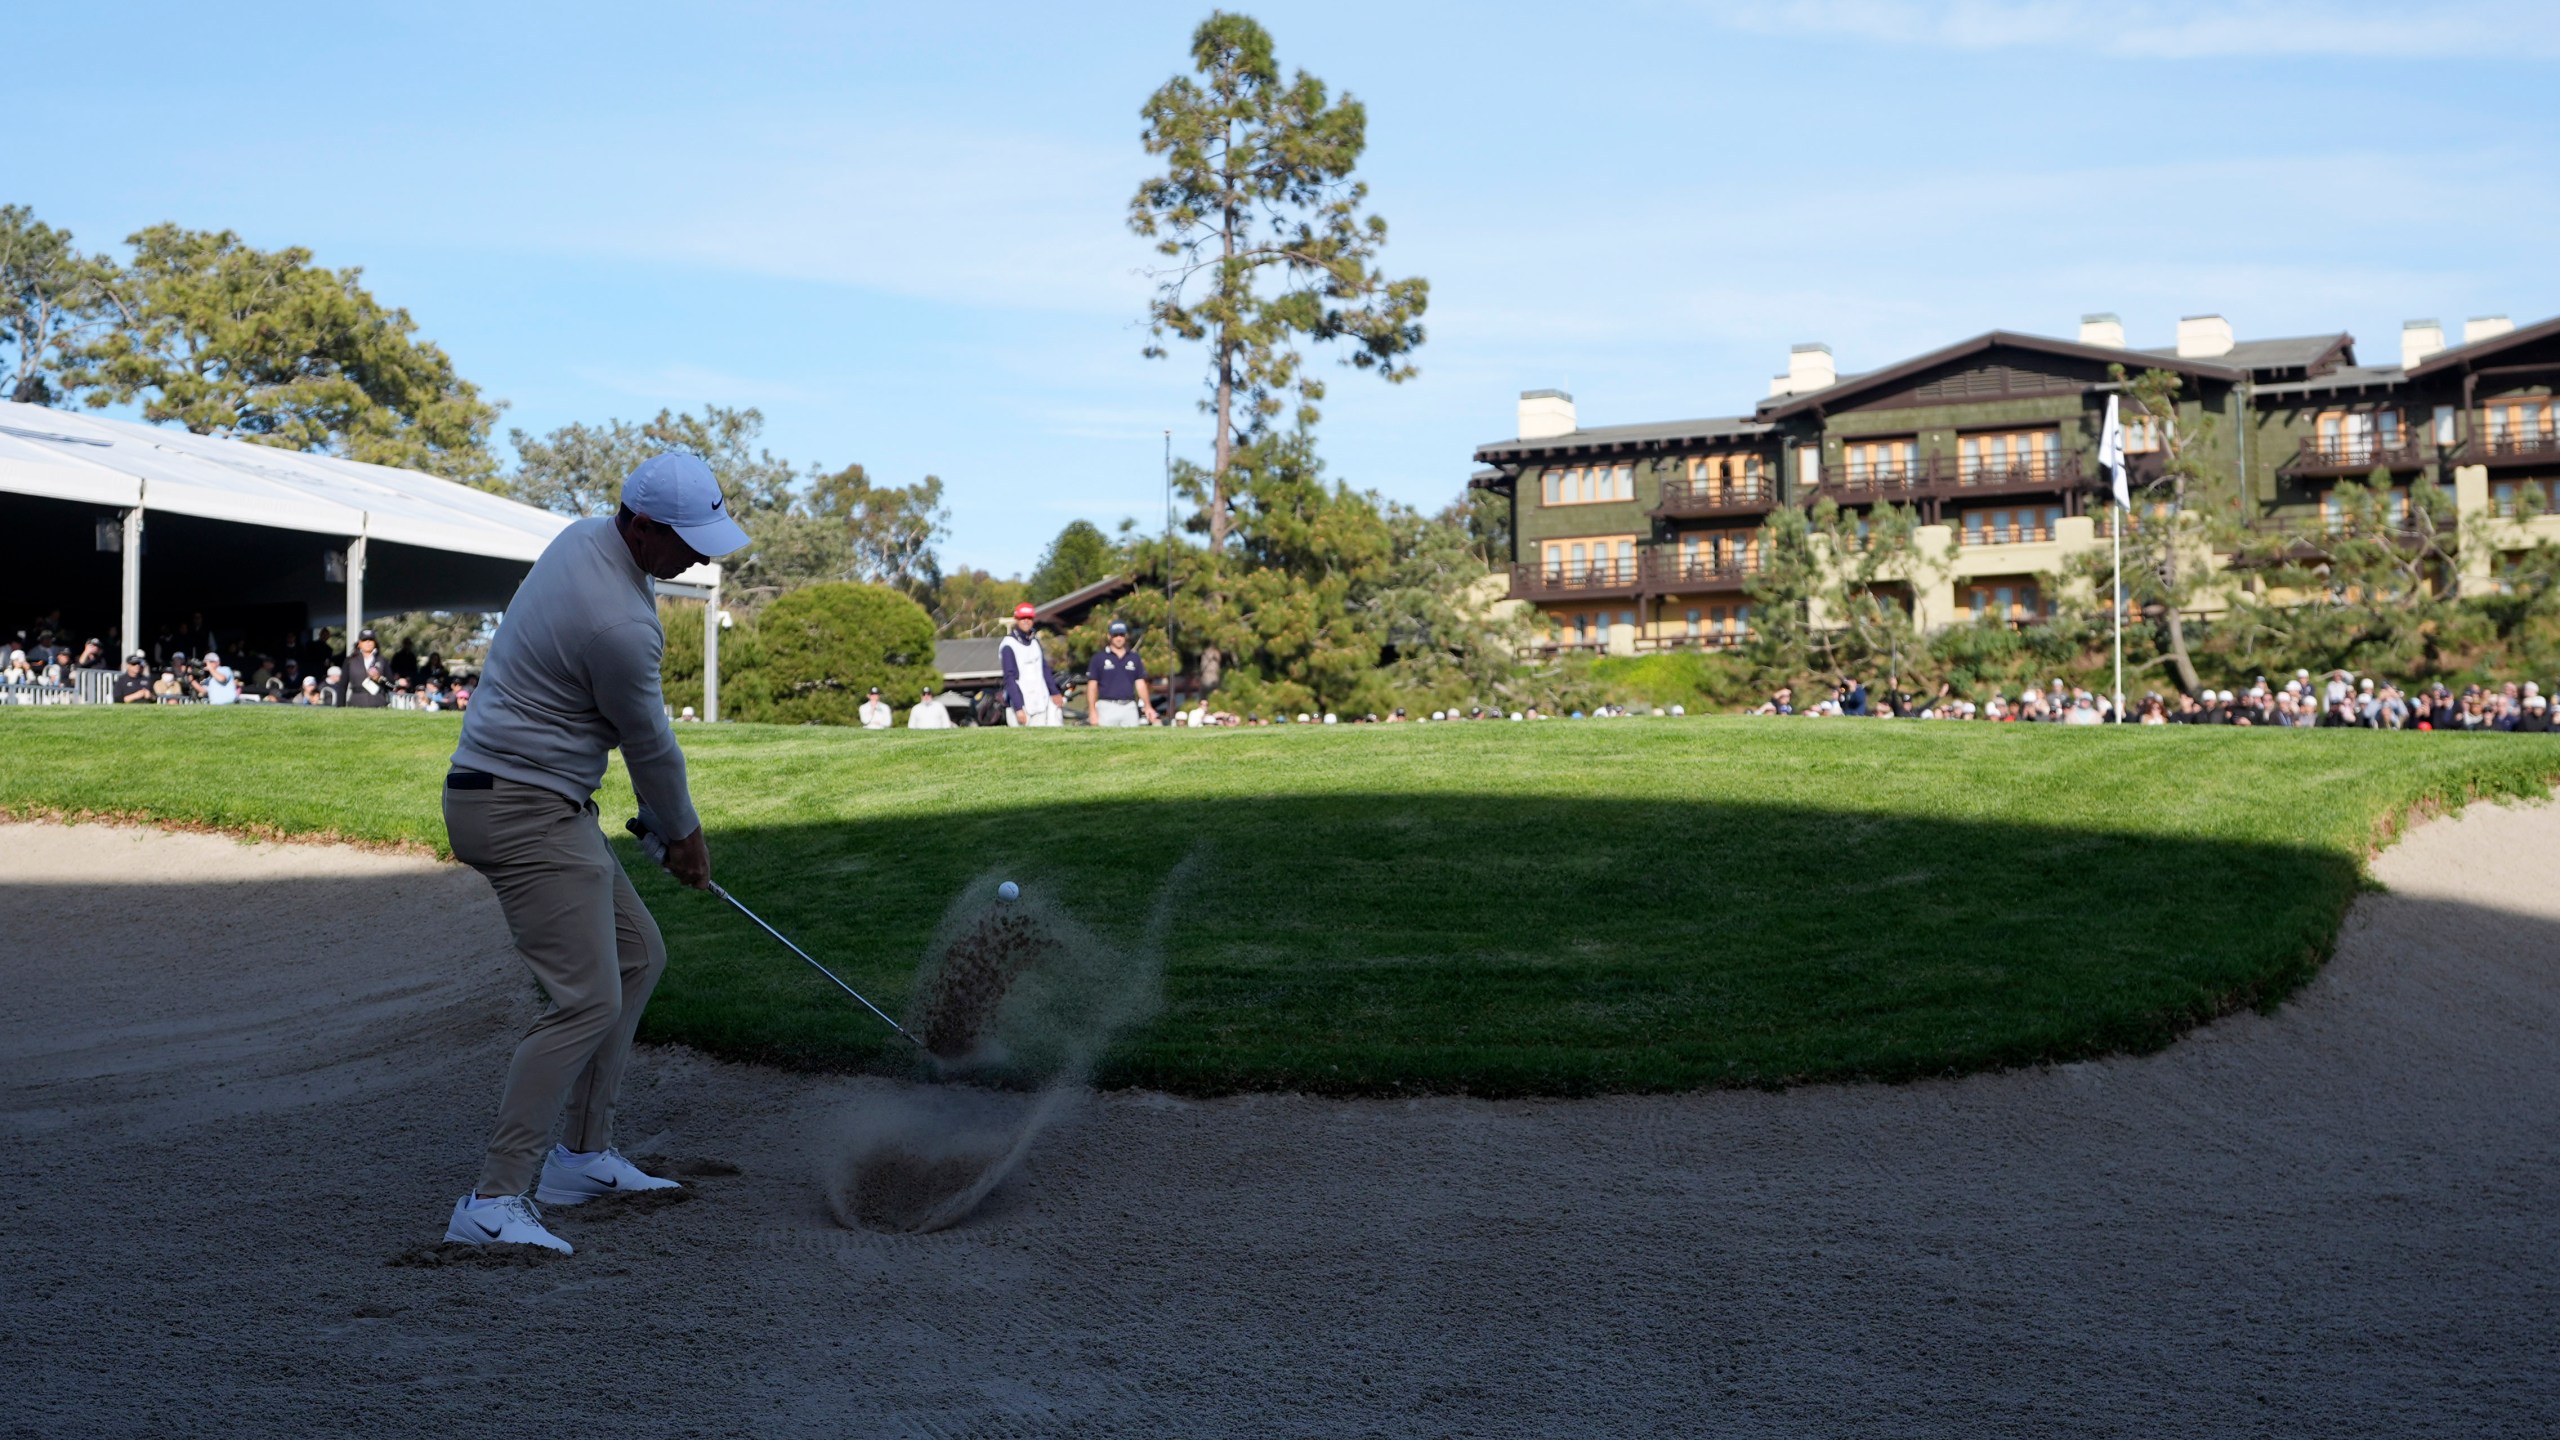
(2111, 453)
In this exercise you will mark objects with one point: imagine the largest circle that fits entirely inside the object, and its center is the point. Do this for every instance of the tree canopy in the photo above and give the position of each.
(1267, 246)
(229, 340)
(51, 297)
(1080, 555)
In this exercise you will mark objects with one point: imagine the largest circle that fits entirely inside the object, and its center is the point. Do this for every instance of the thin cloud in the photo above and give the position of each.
(2161, 29)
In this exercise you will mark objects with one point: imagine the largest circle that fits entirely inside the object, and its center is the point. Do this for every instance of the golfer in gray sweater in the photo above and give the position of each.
(573, 674)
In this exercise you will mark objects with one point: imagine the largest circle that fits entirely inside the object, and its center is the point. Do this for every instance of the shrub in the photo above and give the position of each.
(818, 649)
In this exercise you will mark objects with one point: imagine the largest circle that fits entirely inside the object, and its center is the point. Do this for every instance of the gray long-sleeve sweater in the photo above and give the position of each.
(573, 673)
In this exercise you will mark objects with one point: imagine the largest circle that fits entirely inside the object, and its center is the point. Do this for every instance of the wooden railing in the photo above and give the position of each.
(2520, 445)
(2353, 454)
(1565, 579)
(1711, 496)
(1667, 569)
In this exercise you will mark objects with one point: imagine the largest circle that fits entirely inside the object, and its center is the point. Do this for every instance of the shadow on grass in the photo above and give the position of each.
(1501, 946)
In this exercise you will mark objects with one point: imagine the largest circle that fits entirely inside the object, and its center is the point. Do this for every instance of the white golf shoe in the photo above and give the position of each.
(508, 1221)
(574, 1180)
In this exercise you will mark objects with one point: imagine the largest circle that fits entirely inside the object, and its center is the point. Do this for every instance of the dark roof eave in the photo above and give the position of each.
(1781, 407)
(2461, 357)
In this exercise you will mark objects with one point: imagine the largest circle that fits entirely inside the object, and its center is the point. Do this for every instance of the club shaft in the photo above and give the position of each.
(814, 965)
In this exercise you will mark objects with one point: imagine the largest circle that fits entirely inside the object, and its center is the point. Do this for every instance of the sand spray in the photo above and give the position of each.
(1015, 1002)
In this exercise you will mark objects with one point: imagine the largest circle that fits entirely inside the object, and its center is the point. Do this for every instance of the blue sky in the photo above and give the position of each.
(901, 234)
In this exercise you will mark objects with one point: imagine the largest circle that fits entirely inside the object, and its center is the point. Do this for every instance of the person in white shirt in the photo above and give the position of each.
(1032, 695)
(875, 711)
(929, 713)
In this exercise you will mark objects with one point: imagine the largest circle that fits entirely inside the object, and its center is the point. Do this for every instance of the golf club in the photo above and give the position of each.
(657, 850)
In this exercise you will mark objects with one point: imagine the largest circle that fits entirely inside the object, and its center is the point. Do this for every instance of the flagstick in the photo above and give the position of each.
(2118, 528)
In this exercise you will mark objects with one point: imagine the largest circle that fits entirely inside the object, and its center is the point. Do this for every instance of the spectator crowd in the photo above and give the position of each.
(2340, 699)
(187, 667)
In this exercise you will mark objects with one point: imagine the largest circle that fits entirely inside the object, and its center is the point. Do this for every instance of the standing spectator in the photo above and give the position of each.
(336, 685)
(366, 687)
(876, 714)
(1115, 687)
(1032, 695)
(363, 655)
(929, 713)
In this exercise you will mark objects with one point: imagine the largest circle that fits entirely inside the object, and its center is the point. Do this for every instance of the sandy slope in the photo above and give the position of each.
(235, 1080)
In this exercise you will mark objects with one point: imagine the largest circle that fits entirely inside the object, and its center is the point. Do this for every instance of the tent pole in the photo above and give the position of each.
(132, 597)
(355, 597)
(711, 649)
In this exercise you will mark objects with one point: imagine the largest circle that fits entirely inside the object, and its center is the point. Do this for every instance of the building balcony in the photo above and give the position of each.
(1987, 475)
(1890, 480)
(1692, 499)
(1949, 476)
(2513, 447)
(1592, 580)
(1668, 572)
(1704, 640)
(1991, 535)
(2357, 456)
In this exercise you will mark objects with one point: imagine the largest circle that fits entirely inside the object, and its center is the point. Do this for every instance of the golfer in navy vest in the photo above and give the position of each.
(1115, 685)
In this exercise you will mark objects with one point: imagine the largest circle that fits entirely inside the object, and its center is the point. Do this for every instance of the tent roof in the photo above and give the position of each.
(66, 455)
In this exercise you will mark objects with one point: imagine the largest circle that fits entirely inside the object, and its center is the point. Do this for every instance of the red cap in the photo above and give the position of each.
(1026, 611)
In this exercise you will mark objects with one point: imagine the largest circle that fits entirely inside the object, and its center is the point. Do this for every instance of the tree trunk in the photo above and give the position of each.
(1212, 661)
(2176, 626)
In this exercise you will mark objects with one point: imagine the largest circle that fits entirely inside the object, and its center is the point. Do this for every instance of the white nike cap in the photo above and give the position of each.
(680, 492)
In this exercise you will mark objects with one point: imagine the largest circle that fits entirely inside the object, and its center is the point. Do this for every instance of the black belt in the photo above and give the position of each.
(469, 780)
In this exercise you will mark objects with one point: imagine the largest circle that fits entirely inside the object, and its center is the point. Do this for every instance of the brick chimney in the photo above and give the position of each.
(2203, 337)
(1545, 414)
(2418, 340)
(2102, 329)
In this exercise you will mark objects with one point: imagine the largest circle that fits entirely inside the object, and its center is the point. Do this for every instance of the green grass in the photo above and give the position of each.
(1503, 909)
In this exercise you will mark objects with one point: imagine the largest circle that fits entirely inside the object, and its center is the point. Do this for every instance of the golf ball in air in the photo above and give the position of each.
(1008, 891)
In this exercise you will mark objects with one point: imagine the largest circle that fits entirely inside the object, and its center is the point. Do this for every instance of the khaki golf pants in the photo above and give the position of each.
(586, 937)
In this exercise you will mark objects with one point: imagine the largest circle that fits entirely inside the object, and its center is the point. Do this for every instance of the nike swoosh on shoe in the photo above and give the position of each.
(485, 1230)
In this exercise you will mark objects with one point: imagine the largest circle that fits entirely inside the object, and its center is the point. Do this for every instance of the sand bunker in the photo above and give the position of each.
(1012, 994)
(922, 1160)
(2334, 1220)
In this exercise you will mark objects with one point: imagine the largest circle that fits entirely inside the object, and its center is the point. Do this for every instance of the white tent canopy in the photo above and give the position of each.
(139, 470)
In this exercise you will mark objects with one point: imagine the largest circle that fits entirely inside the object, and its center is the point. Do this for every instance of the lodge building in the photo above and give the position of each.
(1638, 537)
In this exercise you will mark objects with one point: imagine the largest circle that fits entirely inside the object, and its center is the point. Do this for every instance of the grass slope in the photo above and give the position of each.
(1559, 908)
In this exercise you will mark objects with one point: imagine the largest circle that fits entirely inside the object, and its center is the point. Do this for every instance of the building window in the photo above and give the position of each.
(1693, 622)
(2011, 525)
(2444, 425)
(1589, 484)
(2355, 437)
(2514, 497)
(2141, 434)
(2338, 509)
(1601, 560)
(2518, 426)
(2007, 456)
(1879, 462)
(1724, 478)
(1714, 552)
(2012, 601)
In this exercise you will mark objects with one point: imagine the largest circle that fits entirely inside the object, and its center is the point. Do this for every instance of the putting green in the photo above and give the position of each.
(1557, 908)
